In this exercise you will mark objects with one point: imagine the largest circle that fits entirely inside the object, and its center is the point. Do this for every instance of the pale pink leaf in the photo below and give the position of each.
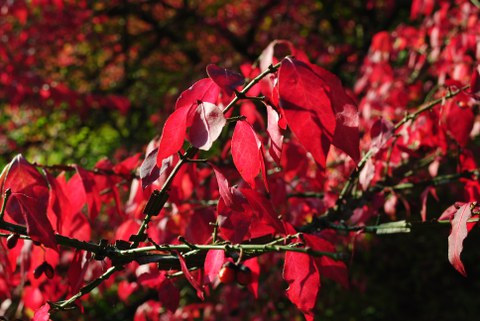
(207, 125)
(367, 174)
(42, 314)
(213, 263)
(457, 235)
(274, 133)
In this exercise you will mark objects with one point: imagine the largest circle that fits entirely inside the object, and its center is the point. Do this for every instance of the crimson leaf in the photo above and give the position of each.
(28, 202)
(173, 134)
(303, 279)
(246, 152)
(307, 107)
(203, 90)
(224, 78)
(190, 278)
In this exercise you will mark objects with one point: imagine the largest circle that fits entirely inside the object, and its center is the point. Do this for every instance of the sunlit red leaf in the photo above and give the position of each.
(346, 135)
(207, 125)
(42, 314)
(457, 235)
(223, 186)
(301, 274)
(28, 203)
(254, 267)
(91, 191)
(204, 90)
(226, 79)
(173, 134)
(246, 152)
(213, 263)
(458, 121)
(58, 203)
(307, 107)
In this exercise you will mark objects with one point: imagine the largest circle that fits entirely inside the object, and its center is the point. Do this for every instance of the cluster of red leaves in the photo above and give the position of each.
(312, 132)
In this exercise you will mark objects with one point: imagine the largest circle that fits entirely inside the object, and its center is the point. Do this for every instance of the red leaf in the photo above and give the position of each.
(76, 272)
(224, 78)
(173, 134)
(380, 133)
(334, 270)
(264, 209)
(458, 121)
(190, 278)
(303, 279)
(307, 107)
(475, 81)
(28, 202)
(169, 295)
(126, 229)
(254, 267)
(58, 203)
(328, 267)
(128, 165)
(223, 187)
(213, 263)
(91, 191)
(457, 235)
(42, 314)
(207, 125)
(246, 152)
(275, 134)
(423, 198)
(346, 136)
(204, 90)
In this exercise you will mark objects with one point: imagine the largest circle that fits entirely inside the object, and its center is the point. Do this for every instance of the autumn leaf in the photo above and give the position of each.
(226, 79)
(380, 133)
(208, 122)
(274, 133)
(204, 90)
(213, 263)
(42, 314)
(246, 152)
(28, 203)
(307, 107)
(190, 278)
(173, 134)
(346, 136)
(223, 186)
(457, 235)
(301, 274)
